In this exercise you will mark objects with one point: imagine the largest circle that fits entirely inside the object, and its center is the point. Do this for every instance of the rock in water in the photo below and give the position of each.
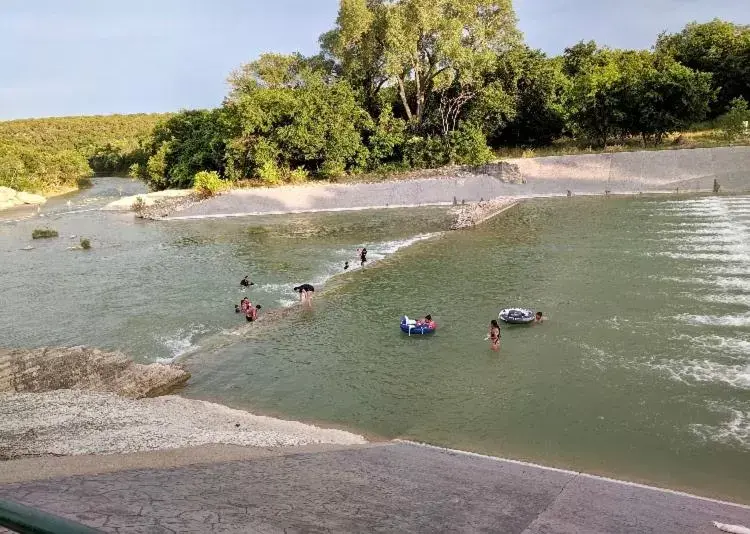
(83, 368)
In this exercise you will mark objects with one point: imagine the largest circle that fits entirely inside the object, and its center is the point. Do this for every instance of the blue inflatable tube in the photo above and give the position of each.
(410, 329)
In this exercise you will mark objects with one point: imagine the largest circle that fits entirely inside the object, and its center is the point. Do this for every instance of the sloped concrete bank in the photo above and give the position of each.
(666, 171)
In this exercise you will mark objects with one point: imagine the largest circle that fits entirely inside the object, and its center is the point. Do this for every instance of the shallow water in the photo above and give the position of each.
(642, 370)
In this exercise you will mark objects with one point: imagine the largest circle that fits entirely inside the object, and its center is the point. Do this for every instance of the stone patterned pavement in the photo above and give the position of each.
(396, 487)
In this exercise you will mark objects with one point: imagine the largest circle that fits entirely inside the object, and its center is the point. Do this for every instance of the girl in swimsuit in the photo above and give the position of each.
(494, 335)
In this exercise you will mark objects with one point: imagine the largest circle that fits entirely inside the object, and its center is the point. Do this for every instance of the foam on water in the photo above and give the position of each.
(740, 320)
(731, 347)
(724, 298)
(705, 371)
(181, 342)
(734, 430)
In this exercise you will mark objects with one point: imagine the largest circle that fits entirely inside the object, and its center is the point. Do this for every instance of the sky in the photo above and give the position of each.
(80, 57)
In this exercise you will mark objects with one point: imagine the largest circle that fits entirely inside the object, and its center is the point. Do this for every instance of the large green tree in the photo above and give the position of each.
(423, 46)
(717, 47)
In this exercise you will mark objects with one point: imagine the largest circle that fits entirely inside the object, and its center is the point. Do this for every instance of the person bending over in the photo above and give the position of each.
(305, 292)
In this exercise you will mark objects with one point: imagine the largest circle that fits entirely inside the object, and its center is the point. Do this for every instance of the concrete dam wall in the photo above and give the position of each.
(590, 174)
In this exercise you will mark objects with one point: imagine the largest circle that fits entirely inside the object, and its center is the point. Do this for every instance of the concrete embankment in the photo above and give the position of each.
(690, 170)
(395, 487)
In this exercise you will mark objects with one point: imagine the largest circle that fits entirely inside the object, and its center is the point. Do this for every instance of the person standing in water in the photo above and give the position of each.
(252, 313)
(363, 257)
(494, 335)
(305, 292)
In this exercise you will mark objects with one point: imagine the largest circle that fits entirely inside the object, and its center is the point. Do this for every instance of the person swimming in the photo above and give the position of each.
(252, 313)
(538, 318)
(494, 335)
(346, 265)
(245, 304)
(237, 308)
(245, 282)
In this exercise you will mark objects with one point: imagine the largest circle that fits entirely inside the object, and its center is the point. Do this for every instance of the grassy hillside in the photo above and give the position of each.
(47, 155)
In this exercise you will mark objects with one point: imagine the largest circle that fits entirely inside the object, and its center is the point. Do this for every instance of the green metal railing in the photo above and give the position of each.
(26, 520)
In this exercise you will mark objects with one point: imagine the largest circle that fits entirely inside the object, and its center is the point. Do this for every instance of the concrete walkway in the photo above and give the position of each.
(395, 487)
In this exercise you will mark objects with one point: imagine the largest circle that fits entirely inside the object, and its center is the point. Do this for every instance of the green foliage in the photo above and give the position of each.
(719, 48)
(85, 244)
(468, 146)
(208, 183)
(426, 152)
(187, 143)
(733, 121)
(42, 155)
(42, 233)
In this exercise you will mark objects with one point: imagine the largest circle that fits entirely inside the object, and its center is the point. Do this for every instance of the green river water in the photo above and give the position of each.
(642, 370)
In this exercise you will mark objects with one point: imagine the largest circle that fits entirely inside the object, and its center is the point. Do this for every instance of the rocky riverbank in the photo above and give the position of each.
(474, 213)
(10, 198)
(87, 369)
(79, 400)
(69, 422)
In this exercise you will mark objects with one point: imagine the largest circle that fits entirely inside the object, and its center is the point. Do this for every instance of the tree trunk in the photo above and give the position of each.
(404, 100)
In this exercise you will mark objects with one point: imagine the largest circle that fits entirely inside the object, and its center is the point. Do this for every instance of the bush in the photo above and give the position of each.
(332, 169)
(425, 152)
(135, 171)
(85, 244)
(139, 205)
(270, 173)
(41, 233)
(468, 146)
(208, 183)
(298, 175)
(732, 122)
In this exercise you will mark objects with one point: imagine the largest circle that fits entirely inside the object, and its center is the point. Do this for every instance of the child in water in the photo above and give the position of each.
(538, 318)
(494, 335)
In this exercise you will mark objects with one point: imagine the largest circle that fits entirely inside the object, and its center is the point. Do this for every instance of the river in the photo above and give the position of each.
(641, 371)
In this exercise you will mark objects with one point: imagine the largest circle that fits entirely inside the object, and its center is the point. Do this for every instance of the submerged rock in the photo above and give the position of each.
(82, 368)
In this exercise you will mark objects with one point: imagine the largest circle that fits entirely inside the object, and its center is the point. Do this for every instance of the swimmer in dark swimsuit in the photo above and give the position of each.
(346, 265)
(246, 282)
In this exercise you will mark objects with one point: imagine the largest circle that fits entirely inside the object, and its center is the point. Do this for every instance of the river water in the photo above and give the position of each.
(642, 370)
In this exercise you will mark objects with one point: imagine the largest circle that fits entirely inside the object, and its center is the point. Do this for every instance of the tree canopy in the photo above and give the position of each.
(400, 84)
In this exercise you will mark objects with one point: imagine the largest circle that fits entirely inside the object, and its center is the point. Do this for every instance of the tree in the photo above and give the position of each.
(189, 142)
(314, 125)
(592, 99)
(658, 96)
(717, 47)
(357, 47)
(526, 107)
(424, 46)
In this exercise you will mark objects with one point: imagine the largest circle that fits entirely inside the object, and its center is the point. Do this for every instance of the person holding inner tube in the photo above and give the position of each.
(305, 292)
(427, 322)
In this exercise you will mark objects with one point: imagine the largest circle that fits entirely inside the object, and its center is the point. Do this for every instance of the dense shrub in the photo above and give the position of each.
(85, 244)
(208, 183)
